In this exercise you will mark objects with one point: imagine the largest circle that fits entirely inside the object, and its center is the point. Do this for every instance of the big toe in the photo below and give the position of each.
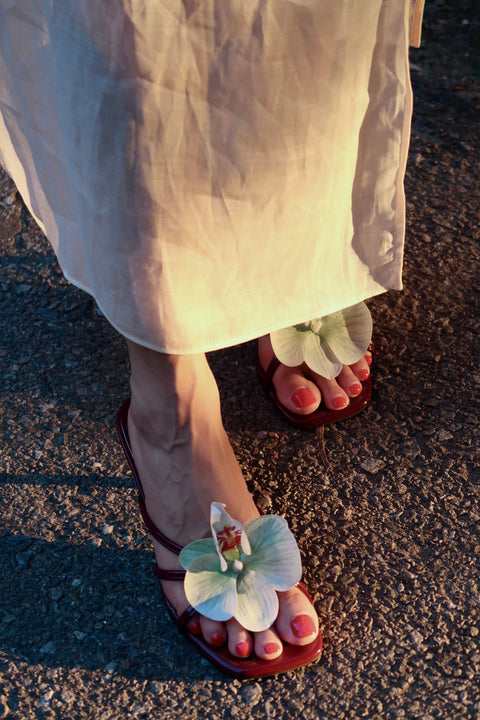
(295, 391)
(297, 621)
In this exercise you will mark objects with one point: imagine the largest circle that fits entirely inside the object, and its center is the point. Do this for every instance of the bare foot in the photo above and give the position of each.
(185, 462)
(301, 390)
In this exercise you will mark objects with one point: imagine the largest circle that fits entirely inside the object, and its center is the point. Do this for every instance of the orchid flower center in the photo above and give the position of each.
(229, 543)
(302, 327)
(315, 325)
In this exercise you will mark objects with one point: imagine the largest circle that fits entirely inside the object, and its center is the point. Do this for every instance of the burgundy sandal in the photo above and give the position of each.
(293, 656)
(322, 415)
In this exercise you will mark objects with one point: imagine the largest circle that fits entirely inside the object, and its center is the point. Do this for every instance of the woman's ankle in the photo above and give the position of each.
(179, 443)
(166, 389)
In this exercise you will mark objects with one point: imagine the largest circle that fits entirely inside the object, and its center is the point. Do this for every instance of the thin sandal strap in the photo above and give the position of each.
(181, 621)
(267, 375)
(125, 442)
(154, 531)
(168, 574)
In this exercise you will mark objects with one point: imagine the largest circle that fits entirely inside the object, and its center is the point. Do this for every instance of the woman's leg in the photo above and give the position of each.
(185, 462)
(302, 391)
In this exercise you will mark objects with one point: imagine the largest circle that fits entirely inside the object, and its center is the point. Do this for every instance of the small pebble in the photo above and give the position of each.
(48, 648)
(417, 637)
(251, 694)
(155, 687)
(46, 698)
(372, 465)
(443, 435)
(4, 709)
(67, 696)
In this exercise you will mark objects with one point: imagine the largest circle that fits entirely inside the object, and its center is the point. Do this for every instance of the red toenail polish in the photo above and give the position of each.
(303, 397)
(339, 402)
(242, 649)
(303, 626)
(355, 389)
(195, 628)
(271, 648)
(363, 374)
(368, 358)
(217, 640)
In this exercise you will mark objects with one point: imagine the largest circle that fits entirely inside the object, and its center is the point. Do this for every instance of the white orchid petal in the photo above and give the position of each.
(245, 543)
(220, 519)
(288, 345)
(208, 562)
(257, 602)
(343, 338)
(360, 324)
(211, 592)
(196, 549)
(348, 334)
(319, 359)
(218, 515)
(275, 554)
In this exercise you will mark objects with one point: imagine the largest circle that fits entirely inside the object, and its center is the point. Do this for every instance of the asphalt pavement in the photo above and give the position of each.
(385, 506)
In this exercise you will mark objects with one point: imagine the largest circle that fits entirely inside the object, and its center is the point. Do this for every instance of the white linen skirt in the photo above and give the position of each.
(211, 170)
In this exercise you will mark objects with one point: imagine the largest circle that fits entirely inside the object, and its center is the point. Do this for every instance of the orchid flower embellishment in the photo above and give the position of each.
(326, 344)
(238, 571)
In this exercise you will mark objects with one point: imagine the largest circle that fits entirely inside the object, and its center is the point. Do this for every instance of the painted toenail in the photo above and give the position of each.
(195, 628)
(355, 388)
(242, 649)
(339, 402)
(363, 374)
(303, 397)
(271, 648)
(369, 358)
(217, 640)
(303, 626)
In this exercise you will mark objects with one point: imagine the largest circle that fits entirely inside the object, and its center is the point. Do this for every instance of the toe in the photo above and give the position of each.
(349, 382)
(240, 642)
(268, 644)
(361, 368)
(297, 621)
(194, 626)
(295, 392)
(214, 632)
(334, 396)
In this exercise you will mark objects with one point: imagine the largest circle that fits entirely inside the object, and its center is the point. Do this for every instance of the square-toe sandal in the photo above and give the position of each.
(322, 415)
(293, 656)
